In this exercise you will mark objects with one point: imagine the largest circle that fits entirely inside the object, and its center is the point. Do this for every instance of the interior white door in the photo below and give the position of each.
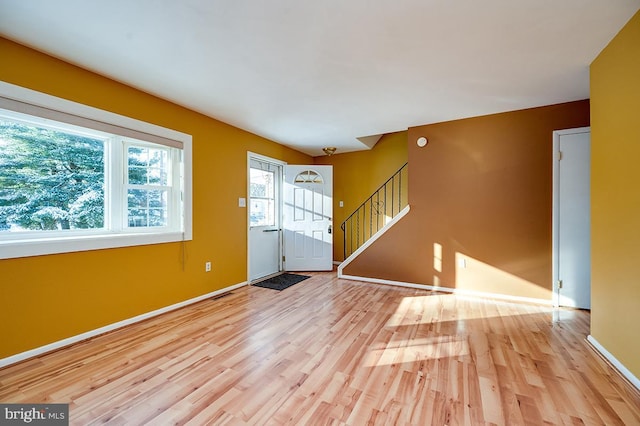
(572, 214)
(307, 220)
(264, 219)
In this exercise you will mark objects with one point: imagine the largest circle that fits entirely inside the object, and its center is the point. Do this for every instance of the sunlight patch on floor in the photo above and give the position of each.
(413, 350)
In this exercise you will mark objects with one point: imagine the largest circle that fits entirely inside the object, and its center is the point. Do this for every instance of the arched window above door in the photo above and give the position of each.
(308, 176)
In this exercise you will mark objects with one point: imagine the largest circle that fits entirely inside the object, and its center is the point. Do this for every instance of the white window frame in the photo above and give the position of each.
(172, 187)
(113, 235)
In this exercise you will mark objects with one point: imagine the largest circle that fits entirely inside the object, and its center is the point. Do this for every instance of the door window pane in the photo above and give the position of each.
(262, 193)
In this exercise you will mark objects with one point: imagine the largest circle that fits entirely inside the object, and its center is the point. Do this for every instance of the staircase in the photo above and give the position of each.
(376, 211)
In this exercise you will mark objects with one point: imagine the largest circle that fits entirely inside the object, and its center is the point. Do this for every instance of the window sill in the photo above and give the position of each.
(38, 247)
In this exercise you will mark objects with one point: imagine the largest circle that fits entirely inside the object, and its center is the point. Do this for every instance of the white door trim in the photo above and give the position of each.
(260, 157)
(555, 228)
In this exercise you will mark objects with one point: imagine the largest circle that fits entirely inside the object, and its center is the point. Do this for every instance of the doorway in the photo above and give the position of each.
(290, 209)
(264, 216)
(572, 218)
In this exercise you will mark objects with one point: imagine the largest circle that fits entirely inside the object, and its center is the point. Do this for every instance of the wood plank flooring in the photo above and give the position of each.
(328, 351)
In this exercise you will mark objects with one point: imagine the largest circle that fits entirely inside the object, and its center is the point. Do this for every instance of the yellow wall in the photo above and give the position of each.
(481, 192)
(615, 196)
(356, 175)
(48, 298)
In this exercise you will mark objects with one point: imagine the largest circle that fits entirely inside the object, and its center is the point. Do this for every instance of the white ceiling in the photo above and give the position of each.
(317, 73)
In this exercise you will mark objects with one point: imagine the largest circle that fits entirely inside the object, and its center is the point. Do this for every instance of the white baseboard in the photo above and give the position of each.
(624, 371)
(335, 262)
(456, 291)
(92, 333)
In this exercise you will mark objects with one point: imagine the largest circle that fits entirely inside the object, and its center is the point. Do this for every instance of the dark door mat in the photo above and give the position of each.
(281, 282)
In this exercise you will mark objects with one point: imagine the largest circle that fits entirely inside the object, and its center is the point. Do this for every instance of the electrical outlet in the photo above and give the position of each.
(207, 267)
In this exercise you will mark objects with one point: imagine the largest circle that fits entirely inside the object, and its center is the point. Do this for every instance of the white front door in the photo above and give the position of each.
(265, 253)
(307, 221)
(572, 218)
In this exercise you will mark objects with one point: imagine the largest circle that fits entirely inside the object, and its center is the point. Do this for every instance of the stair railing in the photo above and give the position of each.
(376, 211)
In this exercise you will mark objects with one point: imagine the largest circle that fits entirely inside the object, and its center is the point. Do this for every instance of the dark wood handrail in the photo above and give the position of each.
(357, 221)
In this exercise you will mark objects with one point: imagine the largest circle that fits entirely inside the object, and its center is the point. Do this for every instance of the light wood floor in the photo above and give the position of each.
(328, 351)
